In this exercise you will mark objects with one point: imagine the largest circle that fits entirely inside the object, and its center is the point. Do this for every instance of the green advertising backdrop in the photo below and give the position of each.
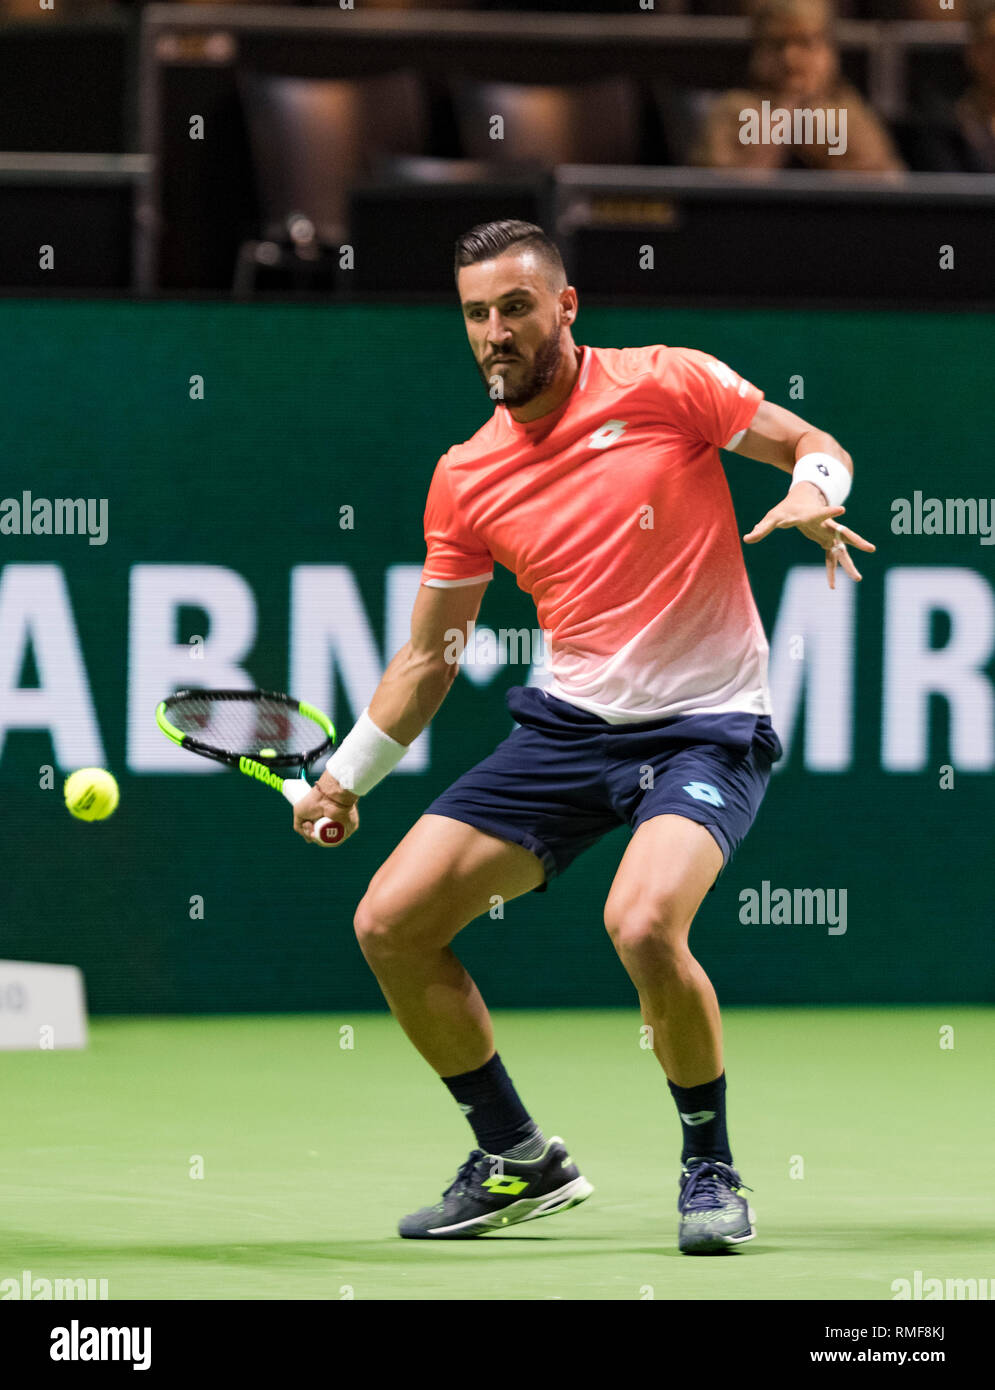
(273, 522)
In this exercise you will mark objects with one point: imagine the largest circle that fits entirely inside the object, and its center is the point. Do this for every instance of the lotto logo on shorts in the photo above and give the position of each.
(701, 791)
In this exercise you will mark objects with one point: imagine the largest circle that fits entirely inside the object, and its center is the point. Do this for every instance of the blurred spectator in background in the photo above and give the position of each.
(959, 137)
(794, 67)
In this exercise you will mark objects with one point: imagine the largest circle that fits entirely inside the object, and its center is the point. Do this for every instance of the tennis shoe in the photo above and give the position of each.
(490, 1193)
(713, 1215)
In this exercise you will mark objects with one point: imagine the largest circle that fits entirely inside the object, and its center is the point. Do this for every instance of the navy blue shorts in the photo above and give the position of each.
(565, 777)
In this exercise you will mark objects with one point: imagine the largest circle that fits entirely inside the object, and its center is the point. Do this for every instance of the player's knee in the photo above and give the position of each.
(375, 926)
(658, 928)
(386, 921)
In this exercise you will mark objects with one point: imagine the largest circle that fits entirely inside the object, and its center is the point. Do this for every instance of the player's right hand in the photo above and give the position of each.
(338, 804)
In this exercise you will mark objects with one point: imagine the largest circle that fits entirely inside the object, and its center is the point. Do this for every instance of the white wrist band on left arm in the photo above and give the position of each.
(827, 473)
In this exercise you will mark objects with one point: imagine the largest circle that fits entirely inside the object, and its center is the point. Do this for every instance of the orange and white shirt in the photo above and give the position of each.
(614, 513)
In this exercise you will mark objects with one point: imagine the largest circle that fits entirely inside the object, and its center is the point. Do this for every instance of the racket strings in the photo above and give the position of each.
(246, 727)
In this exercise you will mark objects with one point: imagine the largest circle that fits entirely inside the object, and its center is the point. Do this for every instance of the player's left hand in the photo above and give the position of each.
(805, 508)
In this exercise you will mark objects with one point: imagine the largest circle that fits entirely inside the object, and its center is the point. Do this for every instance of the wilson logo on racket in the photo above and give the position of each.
(260, 772)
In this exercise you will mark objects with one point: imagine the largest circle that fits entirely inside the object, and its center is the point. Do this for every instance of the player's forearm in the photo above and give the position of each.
(784, 453)
(405, 701)
(410, 693)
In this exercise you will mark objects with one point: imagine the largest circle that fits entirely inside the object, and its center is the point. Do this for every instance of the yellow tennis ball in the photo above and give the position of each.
(91, 793)
(267, 752)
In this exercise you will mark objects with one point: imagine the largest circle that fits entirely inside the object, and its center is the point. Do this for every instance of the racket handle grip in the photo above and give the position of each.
(326, 831)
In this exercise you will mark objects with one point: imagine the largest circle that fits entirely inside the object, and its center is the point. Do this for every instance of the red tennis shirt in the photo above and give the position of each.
(613, 512)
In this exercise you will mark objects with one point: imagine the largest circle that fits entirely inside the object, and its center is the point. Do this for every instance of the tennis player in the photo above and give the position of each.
(597, 481)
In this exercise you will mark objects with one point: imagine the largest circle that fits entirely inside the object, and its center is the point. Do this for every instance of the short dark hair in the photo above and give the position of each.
(490, 239)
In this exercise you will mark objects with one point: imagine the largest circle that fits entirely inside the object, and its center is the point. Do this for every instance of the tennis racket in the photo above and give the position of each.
(262, 733)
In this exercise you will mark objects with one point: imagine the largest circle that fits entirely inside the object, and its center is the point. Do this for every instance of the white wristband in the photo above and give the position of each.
(827, 473)
(364, 757)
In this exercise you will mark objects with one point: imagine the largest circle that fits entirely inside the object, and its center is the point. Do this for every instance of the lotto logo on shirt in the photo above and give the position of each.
(607, 434)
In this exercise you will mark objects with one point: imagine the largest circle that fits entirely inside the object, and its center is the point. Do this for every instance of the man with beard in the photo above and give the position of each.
(597, 482)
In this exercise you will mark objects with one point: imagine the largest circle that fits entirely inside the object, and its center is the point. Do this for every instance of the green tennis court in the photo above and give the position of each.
(311, 1150)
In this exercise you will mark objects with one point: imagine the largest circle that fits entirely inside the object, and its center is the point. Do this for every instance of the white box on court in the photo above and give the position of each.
(42, 1007)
